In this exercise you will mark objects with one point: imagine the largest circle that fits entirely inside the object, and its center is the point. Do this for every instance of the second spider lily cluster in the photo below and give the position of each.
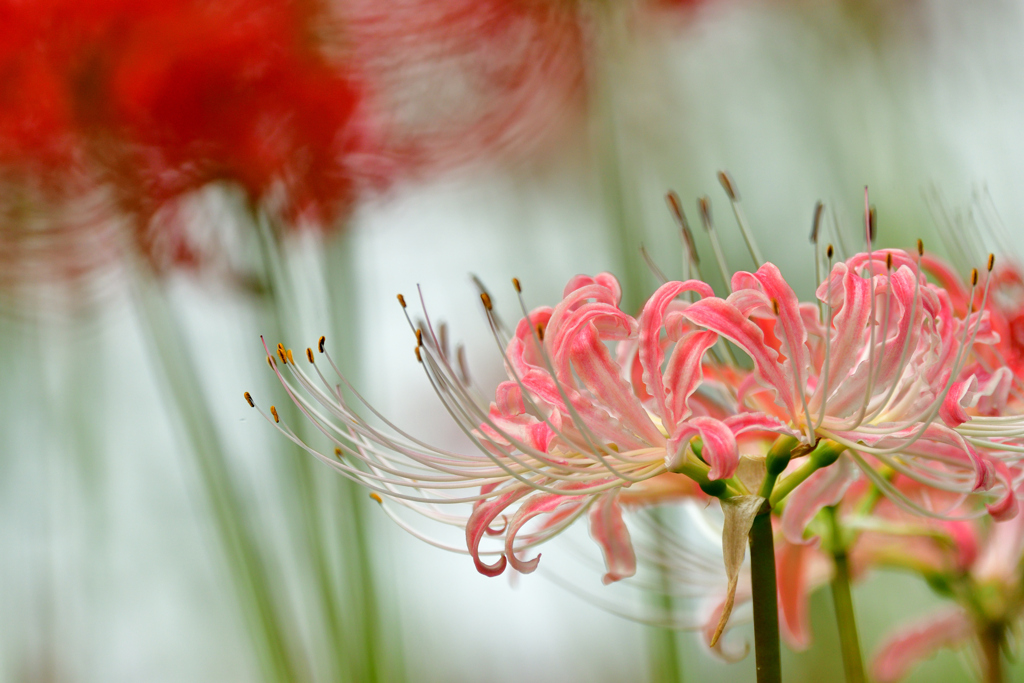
(883, 374)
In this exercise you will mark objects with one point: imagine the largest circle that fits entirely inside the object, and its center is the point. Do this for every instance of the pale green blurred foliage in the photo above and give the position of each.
(105, 575)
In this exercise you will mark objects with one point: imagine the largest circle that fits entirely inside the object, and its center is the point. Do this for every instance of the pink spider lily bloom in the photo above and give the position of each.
(572, 432)
(877, 379)
(979, 567)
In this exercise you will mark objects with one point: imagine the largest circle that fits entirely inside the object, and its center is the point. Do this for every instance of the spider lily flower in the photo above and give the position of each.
(877, 379)
(978, 567)
(574, 430)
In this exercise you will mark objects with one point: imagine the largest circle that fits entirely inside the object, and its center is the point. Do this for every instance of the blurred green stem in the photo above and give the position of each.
(991, 636)
(343, 295)
(842, 599)
(247, 573)
(767, 651)
(298, 462)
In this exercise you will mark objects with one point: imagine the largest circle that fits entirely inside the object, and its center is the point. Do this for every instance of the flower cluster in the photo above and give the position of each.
(876, 396)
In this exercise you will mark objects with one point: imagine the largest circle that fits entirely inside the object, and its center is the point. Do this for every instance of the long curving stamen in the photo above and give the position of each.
(829, 252)
(704, 206)
(691, 259)
(741, 219)
(897, 374)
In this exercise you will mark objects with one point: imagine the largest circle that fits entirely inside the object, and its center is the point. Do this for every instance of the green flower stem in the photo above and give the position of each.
(842, 599)
(767, 651)
(776, 462)
(248, 574)
(991, 636)
(826, 453)
(300, 466)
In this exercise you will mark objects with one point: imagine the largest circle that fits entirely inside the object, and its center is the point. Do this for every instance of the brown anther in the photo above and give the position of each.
(486, 298)
(704, 204)
(775, 306)
(337, 452)
(540, 331)
(401, 300)
(974, 277)
(273, 411)
(819, 209)
(888, 261)
(270, 362)
(418, 356)
(419, 337)
(920, 248)
(872, 224)
(515, 283)
(321, 344)
(376, 496)
(309, 354)
(829, 251)
(991, 262)
(249, 399)
(727, 185)
(291, 357)
(673, 203)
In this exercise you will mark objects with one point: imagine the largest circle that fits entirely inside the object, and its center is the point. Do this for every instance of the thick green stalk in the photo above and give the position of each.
(247, 572)
(767, 651)
(842, 599)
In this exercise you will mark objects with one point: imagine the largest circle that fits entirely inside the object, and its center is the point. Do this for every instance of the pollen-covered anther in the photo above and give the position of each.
(974, 277)
(401, 300)
(515, 283)
(248, 398)
(920, 248)
(337, 452)
(281, 354)
(419, 337)
(727, 185)
(419, 356)
(309, 354)
(273, 411)
(270, 362)
(486, 298)
(321, 344)
(291, 357)
(991, 262)
(376, 496)
(829, 251)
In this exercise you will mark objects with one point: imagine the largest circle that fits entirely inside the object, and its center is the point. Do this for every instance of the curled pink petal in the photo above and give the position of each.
(651, 352)
(720, 450)
(537, 504)
(485, 512)
(960, 396)
(791, 562)
(825, 487)
(901, 651)
(609, 530)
